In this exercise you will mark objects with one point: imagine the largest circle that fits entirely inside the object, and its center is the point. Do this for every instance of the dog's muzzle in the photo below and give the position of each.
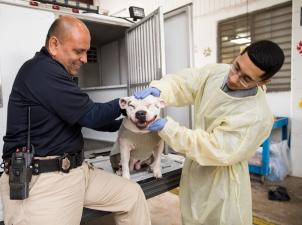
(141, 115)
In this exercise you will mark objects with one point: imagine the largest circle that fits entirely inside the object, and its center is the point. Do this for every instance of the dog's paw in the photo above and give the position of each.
(119, 172)
(157, 173)
(126, 175)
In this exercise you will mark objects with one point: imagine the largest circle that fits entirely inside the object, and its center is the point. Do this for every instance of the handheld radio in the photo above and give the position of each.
(20, 172)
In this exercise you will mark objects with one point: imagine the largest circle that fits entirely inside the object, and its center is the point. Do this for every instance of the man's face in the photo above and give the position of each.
(72, 50)
(244, 74)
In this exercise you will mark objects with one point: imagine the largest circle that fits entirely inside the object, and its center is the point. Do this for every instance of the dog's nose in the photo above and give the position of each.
(141, 115)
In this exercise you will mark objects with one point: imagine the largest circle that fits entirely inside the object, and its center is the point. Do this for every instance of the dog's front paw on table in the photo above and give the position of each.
(126, 175)
(156, 172)
(119, 172)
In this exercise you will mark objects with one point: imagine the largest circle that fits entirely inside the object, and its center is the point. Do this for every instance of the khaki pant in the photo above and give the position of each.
(58, 198)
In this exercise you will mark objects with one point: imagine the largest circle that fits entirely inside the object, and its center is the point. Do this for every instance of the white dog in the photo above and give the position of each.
(136, 146)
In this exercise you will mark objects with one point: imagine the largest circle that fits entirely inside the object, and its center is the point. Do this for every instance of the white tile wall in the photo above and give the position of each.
(296, 79)
(296, 154)
(296, 92)
(204, 7)
(209, 6)
(296, 112)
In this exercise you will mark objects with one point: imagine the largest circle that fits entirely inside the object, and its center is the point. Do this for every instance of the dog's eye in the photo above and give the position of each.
(131, 107)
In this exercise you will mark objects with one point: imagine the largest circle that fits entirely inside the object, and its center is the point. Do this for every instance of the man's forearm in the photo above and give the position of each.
(101, 114)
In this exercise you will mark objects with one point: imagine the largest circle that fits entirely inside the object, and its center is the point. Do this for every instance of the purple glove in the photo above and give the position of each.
(147, 91)
(157, 125)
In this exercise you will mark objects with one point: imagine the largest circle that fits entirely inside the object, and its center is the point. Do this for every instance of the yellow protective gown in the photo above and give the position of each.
(215, 184)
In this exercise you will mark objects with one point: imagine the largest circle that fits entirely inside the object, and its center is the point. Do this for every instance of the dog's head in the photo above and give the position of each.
(142, 112)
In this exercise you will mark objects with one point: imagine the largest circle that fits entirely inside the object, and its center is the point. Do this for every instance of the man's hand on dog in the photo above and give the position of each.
(148, 91)
(157, 125)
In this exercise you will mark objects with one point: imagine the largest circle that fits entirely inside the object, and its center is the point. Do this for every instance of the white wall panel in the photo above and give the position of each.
(23, 32)
(210, 6)
(19, 40)
(279, 103)
(296, 92)
(177, 58)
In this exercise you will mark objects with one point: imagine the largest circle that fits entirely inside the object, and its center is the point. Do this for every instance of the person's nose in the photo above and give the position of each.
(234, 77)
(83, 58)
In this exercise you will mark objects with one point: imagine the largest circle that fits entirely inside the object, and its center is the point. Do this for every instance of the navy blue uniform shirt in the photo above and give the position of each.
(59, 109)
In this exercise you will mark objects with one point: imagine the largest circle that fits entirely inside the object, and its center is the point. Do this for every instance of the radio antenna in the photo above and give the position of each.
(28, 130)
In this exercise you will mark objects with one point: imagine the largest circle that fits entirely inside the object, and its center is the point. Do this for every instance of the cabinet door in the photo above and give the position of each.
(145, 51)
(179, 53)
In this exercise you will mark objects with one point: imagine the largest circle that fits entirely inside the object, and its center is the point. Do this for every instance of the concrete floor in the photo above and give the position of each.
(281, 213)
(164, 208)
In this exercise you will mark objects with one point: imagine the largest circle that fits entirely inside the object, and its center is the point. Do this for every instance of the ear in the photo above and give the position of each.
(161, 102)
(264, 82)
(53, 44)
(124, 102)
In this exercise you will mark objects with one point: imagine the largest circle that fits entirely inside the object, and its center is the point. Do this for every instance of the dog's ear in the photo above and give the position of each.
(124, 102)
(161, 102)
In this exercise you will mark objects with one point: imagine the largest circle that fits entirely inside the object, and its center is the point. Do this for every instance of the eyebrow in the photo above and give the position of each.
(81, 49)
(237, 64)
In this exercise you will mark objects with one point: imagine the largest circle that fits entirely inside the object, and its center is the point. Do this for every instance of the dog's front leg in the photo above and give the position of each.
(125, 149)
(156, 165)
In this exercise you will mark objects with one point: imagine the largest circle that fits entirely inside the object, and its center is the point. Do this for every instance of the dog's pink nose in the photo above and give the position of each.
(140, 115)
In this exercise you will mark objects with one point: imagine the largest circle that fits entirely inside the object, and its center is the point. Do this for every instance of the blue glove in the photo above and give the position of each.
(157, 125)
(147, 91)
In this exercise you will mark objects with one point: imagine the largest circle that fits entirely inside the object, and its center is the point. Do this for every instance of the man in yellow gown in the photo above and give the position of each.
(232, 119)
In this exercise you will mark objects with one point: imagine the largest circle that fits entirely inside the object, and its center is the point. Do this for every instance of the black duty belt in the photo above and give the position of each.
(62, 163)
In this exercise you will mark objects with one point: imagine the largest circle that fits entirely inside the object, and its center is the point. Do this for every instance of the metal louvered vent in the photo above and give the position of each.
(145, 51)
(92, 55)
(273, 24)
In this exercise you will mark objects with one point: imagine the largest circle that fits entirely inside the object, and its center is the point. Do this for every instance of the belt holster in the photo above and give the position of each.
(62, 163)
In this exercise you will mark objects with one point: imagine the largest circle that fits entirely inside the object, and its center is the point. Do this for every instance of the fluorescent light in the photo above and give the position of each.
(241, 40)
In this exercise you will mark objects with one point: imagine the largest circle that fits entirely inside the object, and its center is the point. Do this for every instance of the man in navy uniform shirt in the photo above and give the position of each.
(58, 111)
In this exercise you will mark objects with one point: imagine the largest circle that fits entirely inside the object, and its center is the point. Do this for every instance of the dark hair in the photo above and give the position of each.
(53, 31)
(267, 56)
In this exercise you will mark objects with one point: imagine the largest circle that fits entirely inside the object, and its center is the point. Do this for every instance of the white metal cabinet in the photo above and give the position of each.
(145, 50)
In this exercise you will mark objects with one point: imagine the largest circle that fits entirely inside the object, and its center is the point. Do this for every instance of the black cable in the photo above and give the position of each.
(125, 18)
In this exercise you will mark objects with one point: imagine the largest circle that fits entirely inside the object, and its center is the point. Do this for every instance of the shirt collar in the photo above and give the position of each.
(45, 51)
